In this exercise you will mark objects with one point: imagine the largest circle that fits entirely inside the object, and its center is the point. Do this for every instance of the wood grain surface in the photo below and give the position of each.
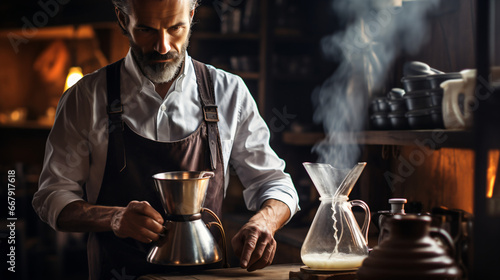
(272, 272)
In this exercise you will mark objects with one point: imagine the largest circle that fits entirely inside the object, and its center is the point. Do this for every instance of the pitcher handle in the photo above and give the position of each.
(218, 224)
(207, 174)
(366, 223)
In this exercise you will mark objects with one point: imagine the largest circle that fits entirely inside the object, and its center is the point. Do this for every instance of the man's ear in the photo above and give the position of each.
(122, 20)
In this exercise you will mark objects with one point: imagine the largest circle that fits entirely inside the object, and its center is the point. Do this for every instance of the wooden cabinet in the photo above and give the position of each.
(454, 173)
(272, 45)
(231, 35)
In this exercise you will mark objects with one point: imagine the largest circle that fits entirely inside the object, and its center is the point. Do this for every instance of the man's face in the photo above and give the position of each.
(158, 32)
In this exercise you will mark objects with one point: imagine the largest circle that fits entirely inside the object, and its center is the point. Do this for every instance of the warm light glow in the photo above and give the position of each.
(15, 116)
(493, 157)
(74, 74)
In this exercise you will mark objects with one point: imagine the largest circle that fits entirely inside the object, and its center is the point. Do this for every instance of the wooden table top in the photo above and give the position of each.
(275, 272)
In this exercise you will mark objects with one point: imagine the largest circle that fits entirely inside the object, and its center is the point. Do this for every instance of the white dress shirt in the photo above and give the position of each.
(76, 149)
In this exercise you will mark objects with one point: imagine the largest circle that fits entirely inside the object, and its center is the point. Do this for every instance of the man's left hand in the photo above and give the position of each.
(254, 243)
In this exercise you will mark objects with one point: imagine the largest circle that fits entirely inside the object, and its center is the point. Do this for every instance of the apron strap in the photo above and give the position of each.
(210, 114)
(207, 97)
(115, 111)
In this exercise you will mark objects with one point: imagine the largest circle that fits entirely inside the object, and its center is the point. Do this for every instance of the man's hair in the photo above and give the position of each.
(124, 5)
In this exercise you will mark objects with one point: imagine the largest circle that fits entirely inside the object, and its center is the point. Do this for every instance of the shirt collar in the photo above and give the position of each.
(142, 82)
(179, 82)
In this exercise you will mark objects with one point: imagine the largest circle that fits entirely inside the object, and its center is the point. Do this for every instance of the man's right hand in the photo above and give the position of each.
(139, 220)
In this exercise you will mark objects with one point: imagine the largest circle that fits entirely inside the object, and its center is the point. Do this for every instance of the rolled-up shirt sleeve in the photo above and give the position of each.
(66, 162)
(257, 165)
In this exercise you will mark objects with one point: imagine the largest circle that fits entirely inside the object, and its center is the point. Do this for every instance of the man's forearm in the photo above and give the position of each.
(81, 216)
(275, 214)
(254, 243)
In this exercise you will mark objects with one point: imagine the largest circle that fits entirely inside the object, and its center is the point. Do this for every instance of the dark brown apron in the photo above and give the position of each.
(133, 159)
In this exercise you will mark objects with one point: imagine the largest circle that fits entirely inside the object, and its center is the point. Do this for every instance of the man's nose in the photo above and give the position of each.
(163, 42)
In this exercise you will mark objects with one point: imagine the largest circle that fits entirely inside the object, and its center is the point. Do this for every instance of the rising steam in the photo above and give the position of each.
(377, 31)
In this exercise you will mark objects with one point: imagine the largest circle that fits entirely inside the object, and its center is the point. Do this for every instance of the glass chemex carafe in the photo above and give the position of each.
(335, 241)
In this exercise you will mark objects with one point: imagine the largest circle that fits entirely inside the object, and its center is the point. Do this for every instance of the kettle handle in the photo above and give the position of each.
(444, 236)
(218, 224)
(366, 223)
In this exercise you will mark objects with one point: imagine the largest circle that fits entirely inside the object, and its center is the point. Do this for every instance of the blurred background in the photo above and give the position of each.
(287, 52)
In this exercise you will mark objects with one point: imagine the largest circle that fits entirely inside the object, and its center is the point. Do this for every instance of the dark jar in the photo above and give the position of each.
(410, 253)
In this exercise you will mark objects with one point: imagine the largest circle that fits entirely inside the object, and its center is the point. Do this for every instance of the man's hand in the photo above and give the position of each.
(254, 243)
(139, 220)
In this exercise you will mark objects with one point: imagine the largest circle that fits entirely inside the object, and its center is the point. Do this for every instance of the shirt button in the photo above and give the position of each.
(163, 107)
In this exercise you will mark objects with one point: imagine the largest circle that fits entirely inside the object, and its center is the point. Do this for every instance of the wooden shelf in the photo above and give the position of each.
(291, 33)
(298, 78)
(28, 125)
(432, 138)
(84, 31)
(247, 75)
(228, 36)
(302, 138)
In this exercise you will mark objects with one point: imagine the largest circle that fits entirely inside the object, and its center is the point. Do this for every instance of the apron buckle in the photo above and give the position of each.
(115, 108)
(211, 113)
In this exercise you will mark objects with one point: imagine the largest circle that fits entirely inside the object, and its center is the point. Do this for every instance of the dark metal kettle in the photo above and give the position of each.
(411, 253)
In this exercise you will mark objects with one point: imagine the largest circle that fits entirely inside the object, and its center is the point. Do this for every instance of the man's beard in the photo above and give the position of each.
(158, 72)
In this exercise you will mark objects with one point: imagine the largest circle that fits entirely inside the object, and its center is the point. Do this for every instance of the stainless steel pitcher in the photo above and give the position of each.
(187, 239)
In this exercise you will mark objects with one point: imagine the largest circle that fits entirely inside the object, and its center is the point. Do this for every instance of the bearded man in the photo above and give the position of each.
(157, 110)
